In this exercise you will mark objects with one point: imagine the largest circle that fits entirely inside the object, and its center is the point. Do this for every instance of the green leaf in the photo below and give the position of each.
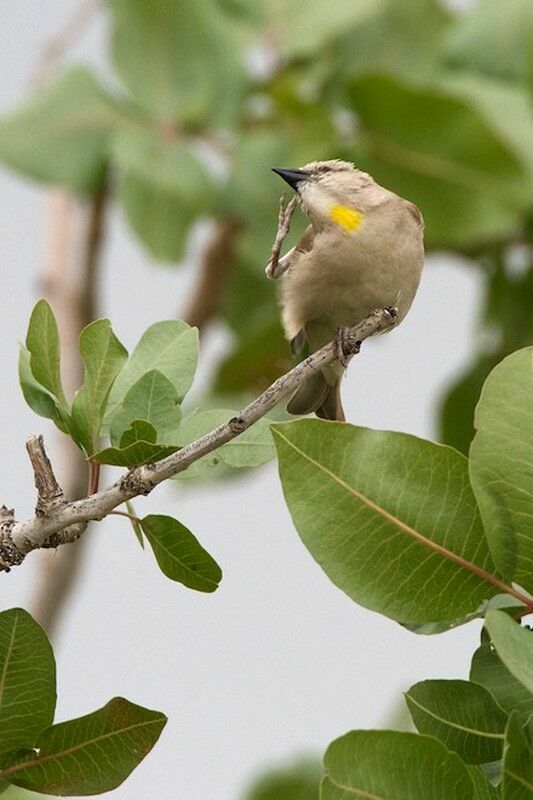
(38, 398)
(103, 356)
(163, 190)
(323, 24)
(514, 646)
(250, 449)
(169, 163)
(462, 715)
(495, 39)
(297, 782)
(498, 601)
(91, 754)
(457, 406)
(137, 446)
(488, 670)
(42, 342)
(505, 108)
(370, 505)
(137, 530)
(27, 681)
(381, 765)
(483, 790)
(472, 186)
(158, 217)
(407, 52)
(501, 465)
(518, 761)
(62, 136)
(180, 555)
(258, 359)
(154, 399)
(170, 347)
(178, 59)
(507, 323)
(14, 793)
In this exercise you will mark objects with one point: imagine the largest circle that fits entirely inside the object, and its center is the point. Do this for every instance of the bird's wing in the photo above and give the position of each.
(306, 242)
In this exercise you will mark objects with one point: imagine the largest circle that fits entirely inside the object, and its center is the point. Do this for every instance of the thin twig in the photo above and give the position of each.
(132, 517)
(213, 273)
(50, 496)
(56, 47)
(23, 537)
(284, 226)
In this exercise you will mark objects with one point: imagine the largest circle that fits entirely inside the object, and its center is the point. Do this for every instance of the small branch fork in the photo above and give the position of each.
(57, 521)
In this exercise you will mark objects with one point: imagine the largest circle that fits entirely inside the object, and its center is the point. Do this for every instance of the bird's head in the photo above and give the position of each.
(329, 191)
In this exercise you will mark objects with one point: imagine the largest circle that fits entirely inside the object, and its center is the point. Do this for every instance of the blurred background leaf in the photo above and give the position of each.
(297, 782)
(434, 103)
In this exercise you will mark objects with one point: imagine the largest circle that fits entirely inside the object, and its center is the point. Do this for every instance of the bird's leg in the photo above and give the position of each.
(345, 346)
(275, 267)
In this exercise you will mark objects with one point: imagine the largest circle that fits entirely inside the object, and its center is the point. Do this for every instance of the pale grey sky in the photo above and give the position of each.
(277, 662)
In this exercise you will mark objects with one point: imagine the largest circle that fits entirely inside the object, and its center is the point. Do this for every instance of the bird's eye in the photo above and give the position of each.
(323, 168)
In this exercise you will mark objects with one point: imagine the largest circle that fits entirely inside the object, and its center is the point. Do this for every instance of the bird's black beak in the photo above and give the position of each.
(292, 176)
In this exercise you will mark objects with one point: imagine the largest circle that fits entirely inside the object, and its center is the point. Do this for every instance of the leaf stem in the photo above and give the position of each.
(133, 518)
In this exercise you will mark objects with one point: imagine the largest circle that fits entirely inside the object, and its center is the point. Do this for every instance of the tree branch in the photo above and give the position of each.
(56, 48)
(17, 539)
(213, 273)
(50, 496)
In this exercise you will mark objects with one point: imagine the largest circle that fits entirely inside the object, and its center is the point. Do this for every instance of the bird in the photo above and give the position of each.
(363, 250)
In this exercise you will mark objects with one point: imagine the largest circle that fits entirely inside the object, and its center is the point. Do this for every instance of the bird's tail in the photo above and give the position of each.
(321, 392)
(318, 395)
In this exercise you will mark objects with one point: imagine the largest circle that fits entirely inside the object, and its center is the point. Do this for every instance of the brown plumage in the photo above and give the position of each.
(363, 250)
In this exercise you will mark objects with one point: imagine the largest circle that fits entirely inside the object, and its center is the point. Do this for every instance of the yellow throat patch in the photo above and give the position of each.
(347, 218)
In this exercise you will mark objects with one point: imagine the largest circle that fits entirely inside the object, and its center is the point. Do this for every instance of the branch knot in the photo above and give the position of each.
(10, 555)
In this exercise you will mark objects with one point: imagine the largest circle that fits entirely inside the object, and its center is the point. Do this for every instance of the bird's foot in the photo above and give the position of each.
(346, 346)
(391, 311)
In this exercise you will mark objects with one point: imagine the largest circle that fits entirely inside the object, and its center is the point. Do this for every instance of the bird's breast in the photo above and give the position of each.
(347, 275)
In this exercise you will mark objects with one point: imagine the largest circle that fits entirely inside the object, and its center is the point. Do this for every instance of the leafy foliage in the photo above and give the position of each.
(393, 522)
(514, 646)
(28, 681)
(489, 671)
(372, 507)
(393, 764)
(462, 715)
(408, 528)
(517, 781)
(63, 136)
(103, 356)
(88, 755)
(502, 475)
(179, 554)
(171, 348)
(216, 92)
(251, 449)
(298, 782)
(137, 445)
(467, 185)
(191, 56)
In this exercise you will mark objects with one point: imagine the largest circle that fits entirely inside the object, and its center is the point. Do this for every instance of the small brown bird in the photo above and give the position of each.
(363, 250)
